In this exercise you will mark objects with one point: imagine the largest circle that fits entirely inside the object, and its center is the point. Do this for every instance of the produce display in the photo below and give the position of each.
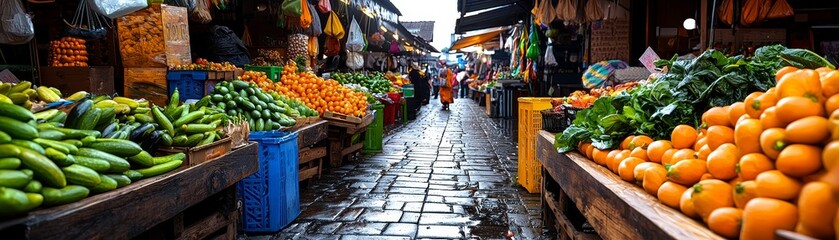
(374, 82)
(581, 99)
(752, 163)
(53, 157)
(690, 86)
(317, 93)
(203, 64)
(264, 111)
(267, 57)
(187, 125)
(68, 52)
(397, 79)
(22, 94)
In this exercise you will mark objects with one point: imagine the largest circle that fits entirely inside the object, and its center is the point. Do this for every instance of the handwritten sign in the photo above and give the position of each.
(648, 58)
(610, 41)
(8, 77)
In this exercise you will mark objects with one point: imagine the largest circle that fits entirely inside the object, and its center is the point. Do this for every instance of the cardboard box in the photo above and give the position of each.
(97, 80)
(157, 36)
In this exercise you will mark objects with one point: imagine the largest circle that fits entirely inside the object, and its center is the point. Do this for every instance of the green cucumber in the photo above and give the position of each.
(122, 180)
(74, 142)
(143, 158)
(29, 144)
(64, 195)
(197, 128)
(238, 84)
(33, 186)
(17, 129)
(77, 133)
(107, 116)
(14, 178)
(64, 147)
(44, 115)
(45, 169)
(180, 140)
(118, 147)
(189, 118)
(60, 158)
(118, 164)
(5, 138)
(194, 139)
(14, 202)
(168, 158)
(160, 168)
(162, 120)
(96, 164)
(16, 112)
(107, 184)
(166, 139)
(143, 118)
(9, 163)
(174, 100)
(81, 175)
(51, 134)
(133, 175)
(207, 140)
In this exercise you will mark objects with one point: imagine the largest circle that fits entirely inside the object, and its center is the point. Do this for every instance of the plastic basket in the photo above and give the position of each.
(569, 113)
(530, 122)
(273, 72)
(375, 131)
(553, 121)
(190, 84)
(271, 195)
(408, 91)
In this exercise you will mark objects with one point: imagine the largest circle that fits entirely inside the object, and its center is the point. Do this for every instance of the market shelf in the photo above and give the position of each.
(615, 208)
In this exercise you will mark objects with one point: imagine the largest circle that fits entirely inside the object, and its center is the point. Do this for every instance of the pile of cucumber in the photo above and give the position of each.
(189, 125)
(263, 111)
(54, 157)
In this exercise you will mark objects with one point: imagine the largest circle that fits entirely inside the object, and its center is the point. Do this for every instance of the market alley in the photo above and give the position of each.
(449, 174)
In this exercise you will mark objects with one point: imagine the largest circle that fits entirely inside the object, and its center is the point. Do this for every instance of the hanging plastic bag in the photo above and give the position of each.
(117, 8)
(305, 15)
(15, 24)
(292, 8)
(550, 59)
(780, 9)
(201, 14)
(594, 12)
(547, 12)
(313, 47)
(754, 11)
(355, 60)
(333, 27)
(533, 50)
(394, 47)
(355, 38)
(87, 23)
(332, 47)
(315, 28)
(727, 12)
(566, 10)
(324, 6)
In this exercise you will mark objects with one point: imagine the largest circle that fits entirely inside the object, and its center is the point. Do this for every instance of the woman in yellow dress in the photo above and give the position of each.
(446, 88)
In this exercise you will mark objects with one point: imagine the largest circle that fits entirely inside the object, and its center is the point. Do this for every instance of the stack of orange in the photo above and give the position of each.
(259, 78)
(320, 94)
(754, 167)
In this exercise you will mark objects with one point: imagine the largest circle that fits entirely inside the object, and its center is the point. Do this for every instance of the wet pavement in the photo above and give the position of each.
(446, 175)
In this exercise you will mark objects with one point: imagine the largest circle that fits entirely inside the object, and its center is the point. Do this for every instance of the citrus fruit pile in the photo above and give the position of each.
(754, 166)
(317, 93)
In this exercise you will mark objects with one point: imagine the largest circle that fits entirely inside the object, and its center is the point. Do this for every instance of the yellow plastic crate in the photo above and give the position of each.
(530, 122)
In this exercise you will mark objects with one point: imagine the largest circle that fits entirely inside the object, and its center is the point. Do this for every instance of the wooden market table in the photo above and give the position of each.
(166, 204)
(575, 190)
(310, 141)
(340, 135)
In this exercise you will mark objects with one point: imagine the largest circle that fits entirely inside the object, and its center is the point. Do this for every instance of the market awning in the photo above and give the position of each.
(389, 6)
(503, 16)
(465, 6)
(475, 40)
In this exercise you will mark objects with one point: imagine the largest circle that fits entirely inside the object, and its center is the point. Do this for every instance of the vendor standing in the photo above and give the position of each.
(422, 88)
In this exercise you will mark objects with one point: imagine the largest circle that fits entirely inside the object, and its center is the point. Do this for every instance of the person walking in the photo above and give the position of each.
(464, 84)
(446, 88)
(421, 86)
(435, 84)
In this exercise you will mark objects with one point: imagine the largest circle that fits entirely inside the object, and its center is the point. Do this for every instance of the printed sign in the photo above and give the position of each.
(648, 59)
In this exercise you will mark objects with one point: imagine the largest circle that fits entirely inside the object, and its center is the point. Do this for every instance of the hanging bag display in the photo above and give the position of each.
(313, 47)
(547, 12)
(333, 27)
(117, 8)
(780, 9)
(88, 24)
(15, 23)
(305, 15)
(754, 11)
(355, 38)
(292, 8)
(594, 12)
(324, 6)
(332, 47)
(355, 60)
(550, 59)
(315, 28)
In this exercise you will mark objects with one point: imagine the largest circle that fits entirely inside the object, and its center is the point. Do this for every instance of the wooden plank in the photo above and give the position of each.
(615, 208)
(563, 224)
(308, 173)
(353, 127)
(129, 211)
(338, 117)
(312, 134)
(336, 147)
(352, 149)
(309, 154)
(207, 226)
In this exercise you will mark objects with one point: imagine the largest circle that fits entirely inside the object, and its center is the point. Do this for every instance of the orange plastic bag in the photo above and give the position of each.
(727, 12)
(780, 9)
(305, 15)
(754, 11)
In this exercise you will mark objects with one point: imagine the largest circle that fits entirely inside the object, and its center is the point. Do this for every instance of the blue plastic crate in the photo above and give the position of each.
(271, 195)
(190, 84)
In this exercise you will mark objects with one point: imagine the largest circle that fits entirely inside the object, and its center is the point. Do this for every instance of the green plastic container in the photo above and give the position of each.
(408, 91)
(404, 112)
(274, 72)
(375, 132)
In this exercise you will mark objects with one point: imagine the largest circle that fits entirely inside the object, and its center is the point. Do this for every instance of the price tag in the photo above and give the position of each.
(648, 59)
(8, 77)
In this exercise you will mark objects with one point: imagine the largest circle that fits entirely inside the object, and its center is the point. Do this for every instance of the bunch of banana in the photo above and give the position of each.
(22, 94)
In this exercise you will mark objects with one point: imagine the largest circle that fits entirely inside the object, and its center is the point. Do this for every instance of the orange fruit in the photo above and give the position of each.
(808, 130)
(830, 155)
(655, 151)
(686, 172)
(735, 111)
(708, 195)
(706, 176)
(668, 156)
(613, 165)
(818, 176)
(747, 135)
(815, 200)
(681, 154)
(686, 204)
(749, 104)
(626, 141)
(752, 164)
(726, 221)
(790, 109)
(799, 160)
(598, 155)
(702, 141)
(640, 169)
(670, 194)
(722, 162)
(804, 83)
(610, 157)
(586, 149)
(626, 168)
(744, 192)
(755, 107)
(783, 71)
(639, 153)
(769, 119)
(762, 216)
(683, 136)
(640, 141)
(717, 135)
(772, 142)
(774, 184)
(832, 103)
(716, 116)
(830, 83)
(703, 152)
(654, 176)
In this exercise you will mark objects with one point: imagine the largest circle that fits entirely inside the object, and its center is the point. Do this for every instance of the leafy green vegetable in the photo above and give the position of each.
(805, 58)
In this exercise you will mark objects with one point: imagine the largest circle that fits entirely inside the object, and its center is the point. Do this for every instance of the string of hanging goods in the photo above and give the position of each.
(87, 24)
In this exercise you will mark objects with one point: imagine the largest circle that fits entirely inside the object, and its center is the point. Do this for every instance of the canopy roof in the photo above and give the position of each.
(499, 17)
(475, 40)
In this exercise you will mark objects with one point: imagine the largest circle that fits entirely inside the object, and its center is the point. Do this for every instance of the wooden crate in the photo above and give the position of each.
(214, 218)
(163, 40)
(340, 134)
(203, 153)
(333, 116)
(147, 83)
(96, 80)
(310, 162)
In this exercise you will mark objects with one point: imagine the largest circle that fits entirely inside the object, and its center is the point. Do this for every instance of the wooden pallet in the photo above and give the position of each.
(333, 116)
(310, 162)
(214, 218)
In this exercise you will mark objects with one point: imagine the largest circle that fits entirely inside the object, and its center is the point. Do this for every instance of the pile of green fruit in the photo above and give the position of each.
(263, 111)
(189, 125)
(374, 82)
